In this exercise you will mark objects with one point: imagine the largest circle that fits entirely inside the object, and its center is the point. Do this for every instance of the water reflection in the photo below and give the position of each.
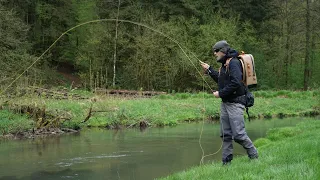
(119, 154)
(53, 175)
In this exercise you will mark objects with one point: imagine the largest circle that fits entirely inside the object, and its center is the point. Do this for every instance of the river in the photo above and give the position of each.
(120, 154)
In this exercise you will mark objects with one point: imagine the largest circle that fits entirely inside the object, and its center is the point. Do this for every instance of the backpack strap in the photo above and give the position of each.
(227, 62)
(247, 110)
(226, 65)
(243, 70)
(254, 70)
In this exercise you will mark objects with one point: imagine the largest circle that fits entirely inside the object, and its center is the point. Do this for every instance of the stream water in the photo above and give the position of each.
(123, 154)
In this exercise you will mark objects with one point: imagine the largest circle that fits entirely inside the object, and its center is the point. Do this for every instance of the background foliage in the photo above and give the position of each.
(282, 35)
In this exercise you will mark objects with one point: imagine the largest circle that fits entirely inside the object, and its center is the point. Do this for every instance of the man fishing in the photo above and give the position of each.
(231, 90)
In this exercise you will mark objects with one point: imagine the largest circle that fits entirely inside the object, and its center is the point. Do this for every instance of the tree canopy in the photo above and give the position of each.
(283, 36)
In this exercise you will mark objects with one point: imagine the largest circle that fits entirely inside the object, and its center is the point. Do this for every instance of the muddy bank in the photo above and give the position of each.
(42, 132)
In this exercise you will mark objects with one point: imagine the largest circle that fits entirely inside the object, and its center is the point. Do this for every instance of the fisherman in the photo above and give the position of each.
(231, 90)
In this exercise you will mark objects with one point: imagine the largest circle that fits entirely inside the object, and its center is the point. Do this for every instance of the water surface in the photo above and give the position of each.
(123, 154)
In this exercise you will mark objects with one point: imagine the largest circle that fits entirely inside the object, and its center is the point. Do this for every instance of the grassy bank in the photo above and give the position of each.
(286, 153)
(14, 123)
(162, 110)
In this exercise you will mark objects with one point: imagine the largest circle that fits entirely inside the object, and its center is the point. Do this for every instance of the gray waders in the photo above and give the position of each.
(233, 128)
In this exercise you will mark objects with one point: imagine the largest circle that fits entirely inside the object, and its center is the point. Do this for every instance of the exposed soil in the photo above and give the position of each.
(43, 132)
(68, 72)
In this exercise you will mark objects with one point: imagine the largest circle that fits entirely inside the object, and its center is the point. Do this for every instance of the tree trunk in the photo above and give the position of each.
(115, 48)
(287, 55)
(308, 48)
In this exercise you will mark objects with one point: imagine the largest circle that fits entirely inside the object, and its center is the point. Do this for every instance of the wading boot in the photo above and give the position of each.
(227, 160)
(226, 163)
(253, 156)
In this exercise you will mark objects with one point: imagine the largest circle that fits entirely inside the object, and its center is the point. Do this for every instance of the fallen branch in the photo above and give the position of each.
(89, 114)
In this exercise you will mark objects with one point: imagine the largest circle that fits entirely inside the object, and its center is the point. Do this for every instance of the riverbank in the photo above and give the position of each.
(286, 153)
(33, 112)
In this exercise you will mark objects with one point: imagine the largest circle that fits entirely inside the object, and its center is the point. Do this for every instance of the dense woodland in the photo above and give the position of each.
(283, 36)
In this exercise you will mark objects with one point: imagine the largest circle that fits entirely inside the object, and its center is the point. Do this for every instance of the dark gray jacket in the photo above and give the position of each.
(229, 79)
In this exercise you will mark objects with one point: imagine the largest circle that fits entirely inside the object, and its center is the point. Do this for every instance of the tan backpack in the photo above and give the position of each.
(248, 69)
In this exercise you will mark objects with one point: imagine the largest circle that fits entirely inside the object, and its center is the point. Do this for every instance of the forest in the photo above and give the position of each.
(155, 44)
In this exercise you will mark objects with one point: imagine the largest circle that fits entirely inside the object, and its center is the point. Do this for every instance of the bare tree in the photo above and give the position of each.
(115, 47)
(308, 49)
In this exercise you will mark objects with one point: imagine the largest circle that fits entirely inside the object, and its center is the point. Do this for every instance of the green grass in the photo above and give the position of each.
(286, 153)
(165, 110)
(13, 123)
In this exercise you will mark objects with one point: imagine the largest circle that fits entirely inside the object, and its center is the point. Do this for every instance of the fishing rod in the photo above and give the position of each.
(183, 49)
(109, 20)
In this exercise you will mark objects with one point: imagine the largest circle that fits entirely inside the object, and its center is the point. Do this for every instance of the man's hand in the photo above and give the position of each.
(204, 65)
(216, 94)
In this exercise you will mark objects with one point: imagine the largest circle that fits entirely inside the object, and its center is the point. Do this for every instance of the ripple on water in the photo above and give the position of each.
(79, 160)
